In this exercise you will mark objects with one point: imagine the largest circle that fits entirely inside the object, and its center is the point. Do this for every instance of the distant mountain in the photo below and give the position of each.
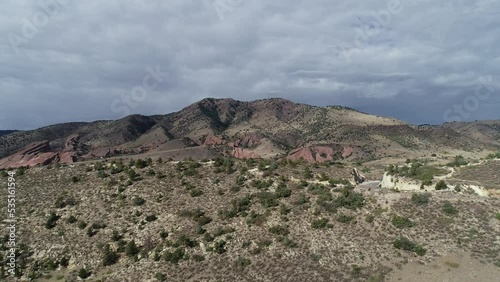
(262, 128)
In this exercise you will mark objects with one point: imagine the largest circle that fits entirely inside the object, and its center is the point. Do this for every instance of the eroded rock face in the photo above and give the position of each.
(37, 153)
(241, 153)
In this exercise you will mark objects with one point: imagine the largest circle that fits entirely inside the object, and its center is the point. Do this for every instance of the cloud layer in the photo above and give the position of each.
(418, 60)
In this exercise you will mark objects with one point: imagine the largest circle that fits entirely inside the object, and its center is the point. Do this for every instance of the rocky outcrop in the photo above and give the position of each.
(213, 140)
(301, 153)
(69, 153)
(71, 144)
(37, 153)
(101, 152)
(323, 154)
(347, 152)
(241, 153)
(312, 154)
(358, 177)
(248, 140)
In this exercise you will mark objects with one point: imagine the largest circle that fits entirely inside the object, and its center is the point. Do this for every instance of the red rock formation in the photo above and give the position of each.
(248, 140)
(69, 153)
(101, 152)
(212, 140)
(301, 153)
(347, 152)
(71, 143)
(37, 153)
(312, 154)
(323, 154)
(241, 153)
(67, 157)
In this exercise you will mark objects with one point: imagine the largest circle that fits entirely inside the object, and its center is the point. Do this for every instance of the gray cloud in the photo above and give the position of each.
(415, 65)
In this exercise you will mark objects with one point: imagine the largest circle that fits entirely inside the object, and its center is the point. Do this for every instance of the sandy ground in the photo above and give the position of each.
(454, 267)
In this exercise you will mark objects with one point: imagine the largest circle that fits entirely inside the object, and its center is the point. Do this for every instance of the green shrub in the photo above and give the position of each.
(82, 224)
(197, 257)
(356, 270)
(102, 174)
(91, 232)
(21, 170)
(151, 217)
(84, 273)
(131, 249)
(282, 191)
(420, 199)
(138, 201)
(176, 256)
(71, 219)
(302, 199)
(195, 192)
(116, 236)
(350, 199)
(52, 220)
(160, 276)
(223, 230)
(497, 215)
(493, 156)
(109, 257)
(139, 163)
(321, 223)
(369, 218)
(75, 179)
(343, 218)
(449, 209)
(458, 161)
(402, 222)
(220, 247)
(279, 230)
(133, 176)
(267, 199)
(184, 240)
(262, 184)
(307, 173)
(242, 262)
(441, 185)
(407, 245)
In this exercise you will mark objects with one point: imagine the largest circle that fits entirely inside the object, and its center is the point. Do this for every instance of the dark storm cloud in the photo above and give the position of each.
(418, 60)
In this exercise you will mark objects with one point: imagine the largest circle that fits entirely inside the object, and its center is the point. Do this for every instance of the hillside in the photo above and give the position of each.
(234, 220)
(262, 128)
(6, 132)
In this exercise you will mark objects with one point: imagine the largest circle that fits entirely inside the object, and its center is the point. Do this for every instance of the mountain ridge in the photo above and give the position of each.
(275, 127)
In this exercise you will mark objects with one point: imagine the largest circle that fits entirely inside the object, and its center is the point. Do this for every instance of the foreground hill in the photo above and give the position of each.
(234, 220)
(263, 128)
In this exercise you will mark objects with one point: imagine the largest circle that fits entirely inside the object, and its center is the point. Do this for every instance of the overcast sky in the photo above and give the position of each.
(421, 61)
